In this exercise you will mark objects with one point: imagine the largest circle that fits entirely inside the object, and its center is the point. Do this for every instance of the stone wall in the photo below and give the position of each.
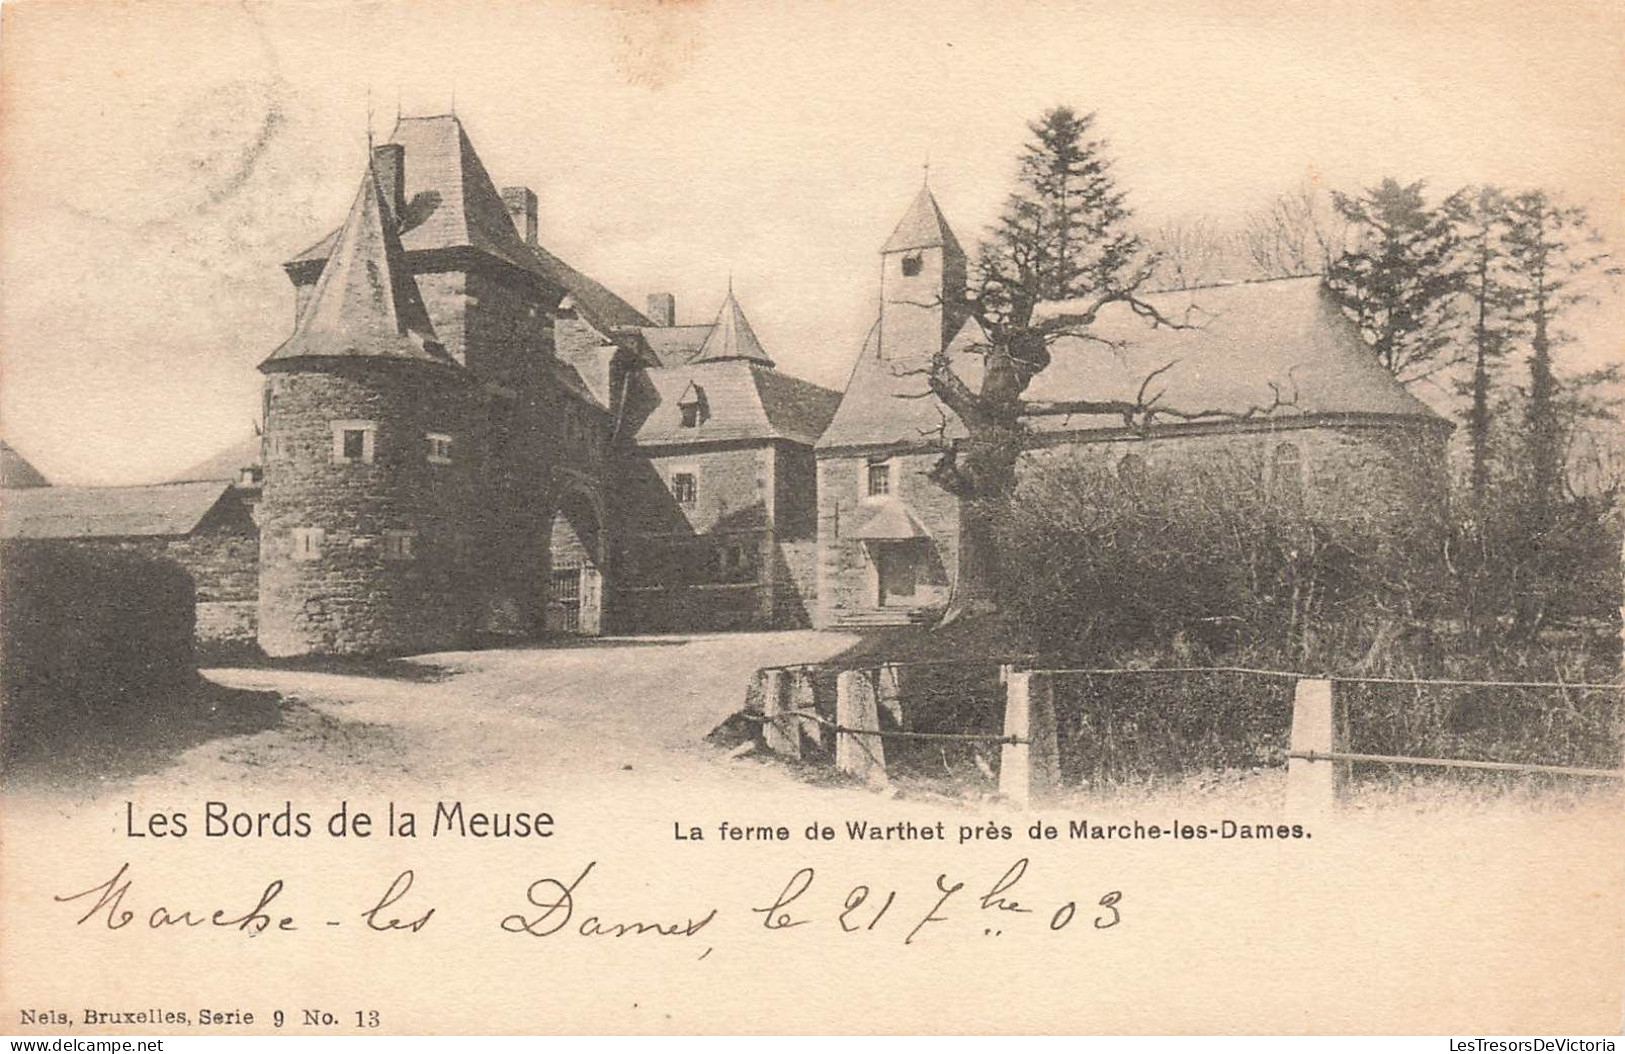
(361, 593)
(1369, 478)
(1380, 478)
(845, 573)
(220, 560)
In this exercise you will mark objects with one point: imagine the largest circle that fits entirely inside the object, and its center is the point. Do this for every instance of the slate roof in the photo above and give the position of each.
(743, 400)
(922, 227)
(366, 304)
(676, 345)
(1251, 333)
(158, 510)
(452, 203)
(15, 471)
(894, 521)
(731, 336)
(226, 465)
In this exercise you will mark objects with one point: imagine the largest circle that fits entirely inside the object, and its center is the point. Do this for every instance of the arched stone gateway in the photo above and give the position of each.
(575, 597)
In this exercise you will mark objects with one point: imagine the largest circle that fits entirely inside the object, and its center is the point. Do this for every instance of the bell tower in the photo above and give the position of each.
(922, 278)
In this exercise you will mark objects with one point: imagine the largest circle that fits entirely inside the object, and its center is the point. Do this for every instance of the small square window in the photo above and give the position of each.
(439, 448)
(399, 545)
(684, 488)
(912, 265)
(353, 442)
(307, 543)
(879, 480)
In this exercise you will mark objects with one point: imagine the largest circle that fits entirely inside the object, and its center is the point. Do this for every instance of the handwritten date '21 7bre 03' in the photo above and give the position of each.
(558, 907)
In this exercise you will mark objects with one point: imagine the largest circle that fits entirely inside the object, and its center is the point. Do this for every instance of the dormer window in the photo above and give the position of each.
(692, 406)
(913, 263)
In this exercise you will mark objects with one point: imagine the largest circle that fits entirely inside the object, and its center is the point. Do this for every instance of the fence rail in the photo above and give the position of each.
(1317, 754)
(1455, 763)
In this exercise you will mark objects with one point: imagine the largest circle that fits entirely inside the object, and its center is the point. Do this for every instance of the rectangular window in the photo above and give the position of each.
(691, 415)
(353, 442)
(399, 545)
(307, 543)
(439, 448)
(684, 488)
(879, 480)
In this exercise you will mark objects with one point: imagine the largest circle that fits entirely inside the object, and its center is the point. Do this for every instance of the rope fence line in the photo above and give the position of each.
(1454, 763)
(820, 719)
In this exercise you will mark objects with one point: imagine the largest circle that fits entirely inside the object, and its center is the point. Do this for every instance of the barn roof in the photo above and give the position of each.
(157, 510)
(366, 304)
(740, 398)
(1244, 338)
(15, 471)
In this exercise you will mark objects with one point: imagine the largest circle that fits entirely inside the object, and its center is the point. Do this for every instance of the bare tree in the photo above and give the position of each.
(1193, 252)
(1297, 233)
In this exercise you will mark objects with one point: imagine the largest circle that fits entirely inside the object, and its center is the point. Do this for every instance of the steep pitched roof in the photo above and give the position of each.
(731, 336)
(15, 471)
(452, 203)
(225, 465)
(893, 522)
(159, 510)
(1245, 337)
(742, 400)
(366, 303)
(922, 227)
(676, 345)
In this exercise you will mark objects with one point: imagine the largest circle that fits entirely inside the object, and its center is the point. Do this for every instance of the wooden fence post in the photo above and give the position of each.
(889, 689)
(1032, 768)
(803, 696)
(782, 734)
(1314, 786)
(863, 756)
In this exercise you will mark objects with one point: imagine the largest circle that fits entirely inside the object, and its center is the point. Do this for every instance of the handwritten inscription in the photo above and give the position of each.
(565, 907)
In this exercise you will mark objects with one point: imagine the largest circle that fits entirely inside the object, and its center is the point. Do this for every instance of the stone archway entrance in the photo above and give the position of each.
(575, 597)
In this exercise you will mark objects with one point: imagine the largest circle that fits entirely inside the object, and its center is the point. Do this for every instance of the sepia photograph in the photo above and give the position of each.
(704, 517)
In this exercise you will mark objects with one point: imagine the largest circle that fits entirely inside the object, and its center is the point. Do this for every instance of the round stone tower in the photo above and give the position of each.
(369, 502)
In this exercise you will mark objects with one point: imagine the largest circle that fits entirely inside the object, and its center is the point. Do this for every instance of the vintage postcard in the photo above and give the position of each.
(695, 516)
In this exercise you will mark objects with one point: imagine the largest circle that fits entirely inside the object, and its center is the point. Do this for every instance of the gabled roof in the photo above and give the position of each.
(158, 510)
(1244, 337)
(894, 521)
(226, 465)
(923, 227)
(743, 400)
(15, 471)
(731, 336)
(887, 401)
(366, 303)
(452, 203)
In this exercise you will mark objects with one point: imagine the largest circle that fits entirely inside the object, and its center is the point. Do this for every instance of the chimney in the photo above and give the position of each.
(662, 309)
(521, 204)
(389, 164)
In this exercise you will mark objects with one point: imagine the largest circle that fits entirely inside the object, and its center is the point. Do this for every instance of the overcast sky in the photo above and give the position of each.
(160, 162)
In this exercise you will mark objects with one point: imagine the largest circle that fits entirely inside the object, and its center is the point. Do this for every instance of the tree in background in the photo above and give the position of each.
(1494, 310)
(1554, 255)
(1399, 280)
(1296, 234)
(1063, 237)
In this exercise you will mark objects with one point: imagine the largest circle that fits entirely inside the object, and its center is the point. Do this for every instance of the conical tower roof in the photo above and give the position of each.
(732, 337)
(923, 227)
(365, 304)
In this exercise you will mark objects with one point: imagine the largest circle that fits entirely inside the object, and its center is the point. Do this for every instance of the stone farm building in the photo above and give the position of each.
(465, 436)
